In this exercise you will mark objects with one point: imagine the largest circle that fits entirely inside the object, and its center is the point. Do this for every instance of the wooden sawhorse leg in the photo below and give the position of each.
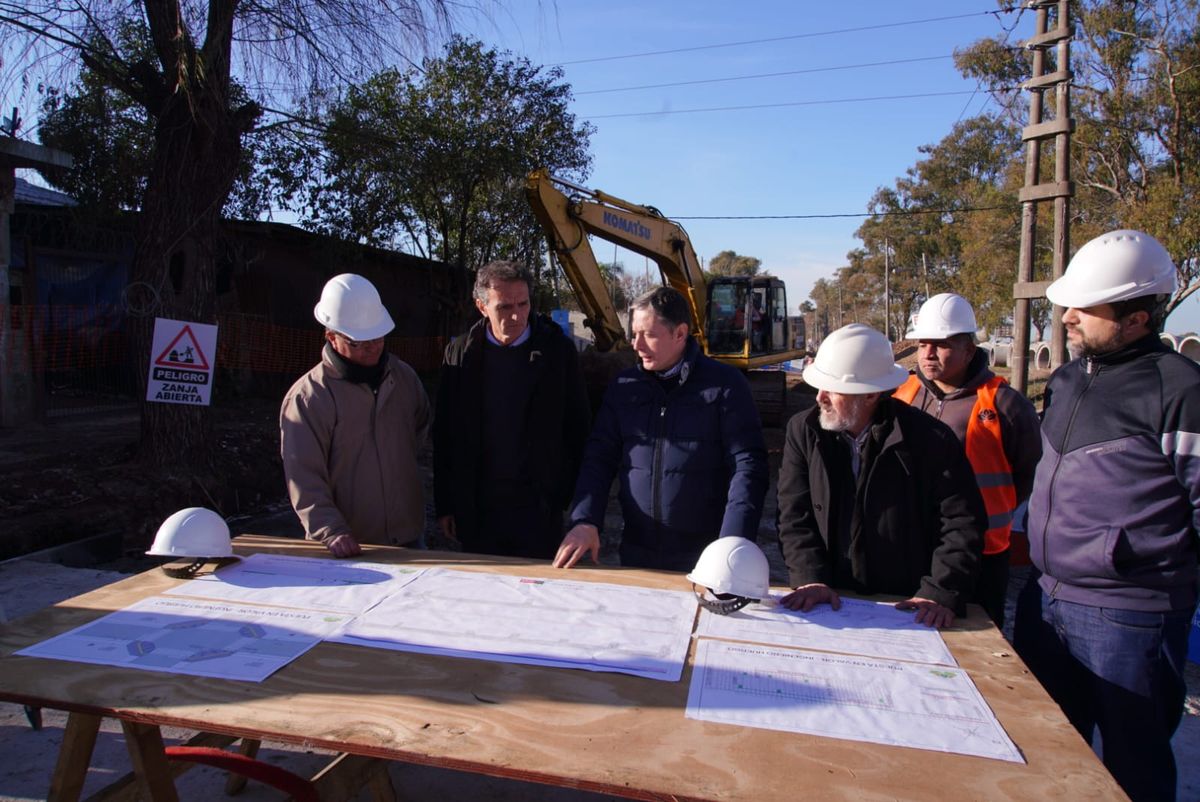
(153, 777)
(74, 757)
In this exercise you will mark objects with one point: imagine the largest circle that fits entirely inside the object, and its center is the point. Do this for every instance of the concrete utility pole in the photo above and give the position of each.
(1061, 190)
(925, 274)
(887, 290)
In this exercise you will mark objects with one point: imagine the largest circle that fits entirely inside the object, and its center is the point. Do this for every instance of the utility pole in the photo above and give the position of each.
(887, 290)
(1060, 190)
(840, 321)
(925, 274)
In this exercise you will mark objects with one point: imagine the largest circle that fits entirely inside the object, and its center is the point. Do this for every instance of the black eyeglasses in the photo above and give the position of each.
(356, 344)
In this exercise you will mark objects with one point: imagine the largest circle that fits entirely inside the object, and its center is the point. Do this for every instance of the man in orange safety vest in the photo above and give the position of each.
(997, 425)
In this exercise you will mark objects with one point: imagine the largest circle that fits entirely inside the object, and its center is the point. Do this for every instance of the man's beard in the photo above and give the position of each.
(1091, 347)
(831, 421)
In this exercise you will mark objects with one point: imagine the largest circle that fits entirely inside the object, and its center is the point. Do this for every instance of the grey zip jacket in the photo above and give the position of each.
(1115, 510)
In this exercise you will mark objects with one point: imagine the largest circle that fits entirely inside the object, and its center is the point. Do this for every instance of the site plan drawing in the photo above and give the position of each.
(193, 636)
(875, 629)
(589, 625)
(844, 696)
(309, 583)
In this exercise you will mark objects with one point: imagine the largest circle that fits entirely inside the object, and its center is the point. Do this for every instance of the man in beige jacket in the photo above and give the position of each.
(351, 427)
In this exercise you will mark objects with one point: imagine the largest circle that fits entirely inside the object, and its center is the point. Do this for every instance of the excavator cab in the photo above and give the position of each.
(747, 316)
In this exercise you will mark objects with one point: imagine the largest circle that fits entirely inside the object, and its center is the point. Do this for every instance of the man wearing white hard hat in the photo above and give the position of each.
(1115, 514)
(997, 425)
(351, 427)
(874, 495)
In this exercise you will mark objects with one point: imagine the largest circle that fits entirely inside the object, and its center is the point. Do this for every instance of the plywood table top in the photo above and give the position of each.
(604, 732)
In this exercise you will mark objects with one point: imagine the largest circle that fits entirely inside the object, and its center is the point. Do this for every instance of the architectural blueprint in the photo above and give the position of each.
(843, 696)
(193, 636)
(309, 583)
(558, 622)
(875, 629)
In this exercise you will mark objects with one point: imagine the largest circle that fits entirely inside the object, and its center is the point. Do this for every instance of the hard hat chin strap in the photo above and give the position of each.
(188, 571)
(723, 604)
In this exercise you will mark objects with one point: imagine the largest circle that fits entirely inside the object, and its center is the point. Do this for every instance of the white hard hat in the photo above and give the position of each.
(350, 306)
(1115, 266)
(194, 532)
(944, 315)
(735, 570)
(855, 360)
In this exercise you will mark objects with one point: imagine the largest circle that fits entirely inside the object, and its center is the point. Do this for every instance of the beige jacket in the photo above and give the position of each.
(350, 455)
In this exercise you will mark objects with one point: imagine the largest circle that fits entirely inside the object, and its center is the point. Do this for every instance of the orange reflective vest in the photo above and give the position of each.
(985, 451)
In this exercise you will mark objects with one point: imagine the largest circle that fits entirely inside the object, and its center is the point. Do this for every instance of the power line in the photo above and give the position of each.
(897, 213)
(792, 37)
(763, 75)
(778, 105)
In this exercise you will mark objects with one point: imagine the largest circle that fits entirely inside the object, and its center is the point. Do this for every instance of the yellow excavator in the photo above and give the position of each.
(739, 320)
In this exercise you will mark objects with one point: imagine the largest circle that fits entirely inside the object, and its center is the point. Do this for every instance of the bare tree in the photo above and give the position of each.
(272, 47)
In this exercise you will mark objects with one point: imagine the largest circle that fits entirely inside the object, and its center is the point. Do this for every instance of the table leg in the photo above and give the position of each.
(145, 745)
(74, 757)
(235, 783)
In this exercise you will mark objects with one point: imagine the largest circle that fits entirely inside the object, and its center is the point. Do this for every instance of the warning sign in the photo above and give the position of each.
(182, 361)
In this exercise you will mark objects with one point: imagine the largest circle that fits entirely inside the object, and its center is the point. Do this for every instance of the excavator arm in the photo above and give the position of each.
(569, 219)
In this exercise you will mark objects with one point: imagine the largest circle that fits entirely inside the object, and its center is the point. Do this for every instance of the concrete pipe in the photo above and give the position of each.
(1189, 346)
(1001, 355)
(1170, 340)
(1041, 359)
(987, 350)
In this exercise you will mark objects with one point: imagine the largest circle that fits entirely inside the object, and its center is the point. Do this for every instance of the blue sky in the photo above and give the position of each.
(809, 158)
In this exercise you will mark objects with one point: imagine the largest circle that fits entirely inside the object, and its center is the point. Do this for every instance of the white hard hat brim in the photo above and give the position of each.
(1067, 293)
(815, 377)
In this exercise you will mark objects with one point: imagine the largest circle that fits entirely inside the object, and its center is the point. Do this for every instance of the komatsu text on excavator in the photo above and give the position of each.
(740, 320)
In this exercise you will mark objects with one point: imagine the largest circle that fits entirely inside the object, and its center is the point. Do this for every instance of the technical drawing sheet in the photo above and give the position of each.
(193, 636)
(589, 625)
(843, 696)
(875, 629)
(310, 583)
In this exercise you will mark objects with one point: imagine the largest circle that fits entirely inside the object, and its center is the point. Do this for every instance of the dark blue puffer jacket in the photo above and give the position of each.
(691, 462)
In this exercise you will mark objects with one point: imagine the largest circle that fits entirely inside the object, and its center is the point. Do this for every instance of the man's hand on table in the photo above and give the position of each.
(806, 597)
(582, 539)
(929, 613)
(343, 546)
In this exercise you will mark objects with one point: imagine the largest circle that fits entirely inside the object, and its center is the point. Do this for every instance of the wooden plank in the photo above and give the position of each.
(1062, 189)
(345, 776)
(1030, 289)
(1050, 79)
(593, 731)
(235, 783)
(1049, 38)
(125, 788)
(145, 745)
(1048, 129)
(74, 757)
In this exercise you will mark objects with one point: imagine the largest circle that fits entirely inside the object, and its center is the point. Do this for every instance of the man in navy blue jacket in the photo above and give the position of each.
(1115, 512)
(682, 433)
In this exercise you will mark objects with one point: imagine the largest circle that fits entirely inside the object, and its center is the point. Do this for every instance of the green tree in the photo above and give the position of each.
(1135, 155)
(200, 123)
(437, 157)
(730, 263)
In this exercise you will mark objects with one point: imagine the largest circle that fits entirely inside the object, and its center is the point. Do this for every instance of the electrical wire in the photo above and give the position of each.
(792, 37)
(763, 75)
(896, 213)
(826, 102)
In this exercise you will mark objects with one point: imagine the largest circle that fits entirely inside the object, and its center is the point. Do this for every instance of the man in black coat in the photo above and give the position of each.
(511, 420)
(874, 495)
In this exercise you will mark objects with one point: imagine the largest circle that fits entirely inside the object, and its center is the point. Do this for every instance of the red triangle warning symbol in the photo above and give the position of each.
(186, 354)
